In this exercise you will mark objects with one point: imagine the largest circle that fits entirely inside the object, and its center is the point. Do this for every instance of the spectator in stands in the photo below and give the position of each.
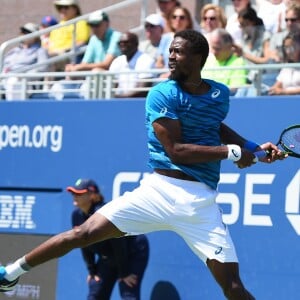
(272, 12)
(233, 25)
(61, 39)
(292, 20)
(102, 48)
(131, 60)
(165, 8)
(255, 40)
(22, 59)
(212, 16)
(154, 27)
(288, 80)
(121, 260)
(46, 22)
(222, 55)
(273, 48)
(179, 19)
(255, 37)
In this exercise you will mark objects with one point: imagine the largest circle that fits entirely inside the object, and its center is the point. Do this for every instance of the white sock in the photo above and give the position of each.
(16, 269)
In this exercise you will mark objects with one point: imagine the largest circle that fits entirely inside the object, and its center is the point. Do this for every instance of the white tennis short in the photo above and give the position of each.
(185, 207)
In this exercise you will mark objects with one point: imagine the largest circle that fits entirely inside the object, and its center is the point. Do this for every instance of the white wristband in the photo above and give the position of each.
(234, 152)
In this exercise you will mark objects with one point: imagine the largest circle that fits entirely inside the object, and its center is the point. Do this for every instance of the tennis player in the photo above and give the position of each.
(187, 141)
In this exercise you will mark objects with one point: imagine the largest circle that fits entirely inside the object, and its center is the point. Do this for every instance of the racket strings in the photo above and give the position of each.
(290, 140)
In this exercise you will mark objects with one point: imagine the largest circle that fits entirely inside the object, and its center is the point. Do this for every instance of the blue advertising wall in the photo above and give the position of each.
(45, 147)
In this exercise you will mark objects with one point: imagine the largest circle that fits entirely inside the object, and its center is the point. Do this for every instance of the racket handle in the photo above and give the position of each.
(260, 154)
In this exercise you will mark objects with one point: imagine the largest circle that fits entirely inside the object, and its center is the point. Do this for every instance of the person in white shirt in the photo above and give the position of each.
(132, 59)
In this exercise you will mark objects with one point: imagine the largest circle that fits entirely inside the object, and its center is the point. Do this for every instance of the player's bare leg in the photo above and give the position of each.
(227, 275)
(95, 229)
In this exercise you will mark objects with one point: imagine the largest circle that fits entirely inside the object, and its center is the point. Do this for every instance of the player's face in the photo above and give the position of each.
(181, 62)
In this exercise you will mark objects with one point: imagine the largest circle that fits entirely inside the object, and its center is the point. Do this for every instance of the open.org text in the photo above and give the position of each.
(38, 136)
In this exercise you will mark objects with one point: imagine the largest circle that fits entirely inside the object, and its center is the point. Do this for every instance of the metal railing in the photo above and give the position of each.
(103, 84)
(74, 51)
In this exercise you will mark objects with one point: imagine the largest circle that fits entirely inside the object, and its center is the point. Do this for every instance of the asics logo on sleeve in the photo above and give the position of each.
(164, 110)
(234, 153)
(216, 93)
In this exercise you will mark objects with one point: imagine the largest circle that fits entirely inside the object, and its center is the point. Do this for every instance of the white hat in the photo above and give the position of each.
(97, 17)
(155, 19)
(66, 2)
(30, 27)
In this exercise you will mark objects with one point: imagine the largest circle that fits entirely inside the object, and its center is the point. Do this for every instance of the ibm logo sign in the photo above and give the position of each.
(16, 212)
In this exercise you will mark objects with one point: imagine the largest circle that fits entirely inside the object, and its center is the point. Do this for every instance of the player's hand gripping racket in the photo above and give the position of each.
(289, 142)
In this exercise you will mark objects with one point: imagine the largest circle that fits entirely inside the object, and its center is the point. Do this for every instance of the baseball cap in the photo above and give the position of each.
(83, 185)
(48, 21)
(155, 19)
(66, 2)
(97, 17)
(29, 28)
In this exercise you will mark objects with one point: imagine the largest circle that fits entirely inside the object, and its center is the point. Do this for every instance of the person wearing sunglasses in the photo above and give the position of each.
(131, 84)
(164, 8)
(292, 24)
(154, 27)
(179, 19)
(212, 16)
(187, 142)
(61, 39)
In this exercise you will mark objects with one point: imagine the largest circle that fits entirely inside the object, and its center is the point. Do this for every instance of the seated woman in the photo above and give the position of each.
(179, 19)
(212, 16)
(288, 79)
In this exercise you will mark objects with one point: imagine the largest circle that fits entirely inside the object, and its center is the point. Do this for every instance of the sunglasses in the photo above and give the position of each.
(62, 7)
(94, 25)
(292, 20)
(125, 42)
(289, 49)
(149, 26)
(210, 18)
(180, 17)
(25, 31)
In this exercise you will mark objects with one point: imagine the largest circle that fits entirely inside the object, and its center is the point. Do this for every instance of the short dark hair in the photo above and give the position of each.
(197, 41)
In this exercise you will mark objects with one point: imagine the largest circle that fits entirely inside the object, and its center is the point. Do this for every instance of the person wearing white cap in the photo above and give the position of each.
(154, 27)
(102, 48)
(61, 39)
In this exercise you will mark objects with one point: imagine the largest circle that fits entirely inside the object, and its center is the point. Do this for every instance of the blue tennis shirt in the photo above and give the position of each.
(200, 117)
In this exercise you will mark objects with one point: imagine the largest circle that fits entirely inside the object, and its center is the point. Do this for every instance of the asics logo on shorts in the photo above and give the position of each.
(219, 250)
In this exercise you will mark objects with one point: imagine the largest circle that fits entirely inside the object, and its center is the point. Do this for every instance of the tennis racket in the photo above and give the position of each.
(289, 142)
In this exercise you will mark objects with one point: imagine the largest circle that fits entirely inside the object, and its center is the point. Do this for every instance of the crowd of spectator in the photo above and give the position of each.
(257, 32)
